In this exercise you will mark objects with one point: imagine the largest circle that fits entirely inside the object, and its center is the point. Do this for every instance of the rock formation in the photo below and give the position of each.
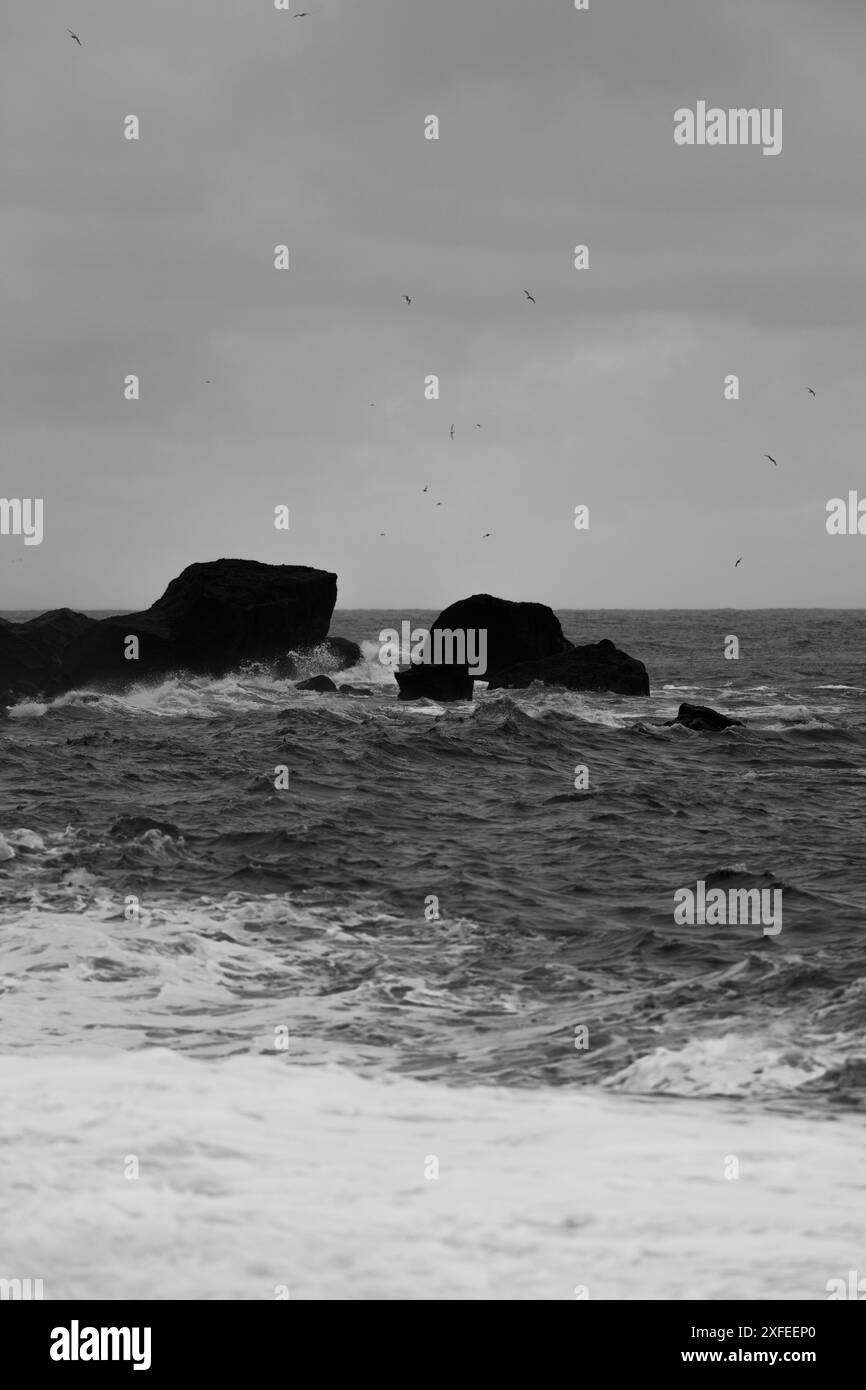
(703, 719)
(524, 643)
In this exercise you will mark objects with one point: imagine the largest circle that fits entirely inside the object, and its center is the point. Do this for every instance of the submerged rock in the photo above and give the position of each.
(320, 683)
(131, 827)
(596, 666)
(703, 719)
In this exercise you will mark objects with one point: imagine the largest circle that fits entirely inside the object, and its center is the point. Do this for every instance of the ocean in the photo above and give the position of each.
(421, 1024)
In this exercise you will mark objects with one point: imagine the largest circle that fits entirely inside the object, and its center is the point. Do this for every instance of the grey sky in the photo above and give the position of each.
(156, 257)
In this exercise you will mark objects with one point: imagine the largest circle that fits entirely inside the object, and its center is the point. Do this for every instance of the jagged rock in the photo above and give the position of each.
(31, 652)
(595, 666)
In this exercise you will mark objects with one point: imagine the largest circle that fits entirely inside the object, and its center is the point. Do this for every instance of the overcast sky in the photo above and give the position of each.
(156, 257)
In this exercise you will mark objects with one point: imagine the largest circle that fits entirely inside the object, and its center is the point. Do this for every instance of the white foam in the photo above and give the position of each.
(255, 1173)
(732, 1065)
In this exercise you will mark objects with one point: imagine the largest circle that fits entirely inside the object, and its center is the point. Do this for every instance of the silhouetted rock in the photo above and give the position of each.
(210, 620)
(595, 666)
(703, 719)
(320, 683)
(515, 632)
(347, 653)
(430, 682)
(130, 827)
(31, 652)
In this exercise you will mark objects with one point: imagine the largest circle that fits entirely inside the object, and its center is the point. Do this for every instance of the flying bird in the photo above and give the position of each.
(809, 389)
(486, 534)
(438, 504)
(425, 487)
(305, 14)
(383, 533)
(529, 296)
(75, 37)
(772, 460)
(478, 427)
(407, 299)
(737, 562)
(452, 431)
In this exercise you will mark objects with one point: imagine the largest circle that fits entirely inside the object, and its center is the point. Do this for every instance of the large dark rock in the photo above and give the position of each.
(703, 719)
(516, 632)
(210, 620)
(31, 652)
(596, 666)
(429, 682)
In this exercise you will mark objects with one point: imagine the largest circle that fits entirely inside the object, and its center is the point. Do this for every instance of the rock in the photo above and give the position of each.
(130, 827)
(703, 719)
(210, 620)
(595, 666)
(354, 690)
(347, 653)
(321, 683)
(515, 632)
(419, 682)
(31, 652)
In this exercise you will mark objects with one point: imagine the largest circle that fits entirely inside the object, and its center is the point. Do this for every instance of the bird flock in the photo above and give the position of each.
(407, 299)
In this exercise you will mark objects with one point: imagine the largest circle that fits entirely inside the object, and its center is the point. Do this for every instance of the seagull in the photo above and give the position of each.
(737, 562)
(75, 37)
(407, 299)
(772, 460)
(438, 504)
(486, 534)
(305, 14)
(452, 431)
(478, 427)
(381, 533)
(529, 296)
(809, 389)
(425, 487)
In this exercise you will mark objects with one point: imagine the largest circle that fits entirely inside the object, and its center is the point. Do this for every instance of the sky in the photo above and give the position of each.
(156, 257)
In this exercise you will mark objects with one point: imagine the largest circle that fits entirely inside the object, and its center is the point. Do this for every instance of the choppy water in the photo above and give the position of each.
(304, 909)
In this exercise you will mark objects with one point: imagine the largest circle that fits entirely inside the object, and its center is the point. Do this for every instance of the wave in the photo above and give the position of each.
(731, 1065)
